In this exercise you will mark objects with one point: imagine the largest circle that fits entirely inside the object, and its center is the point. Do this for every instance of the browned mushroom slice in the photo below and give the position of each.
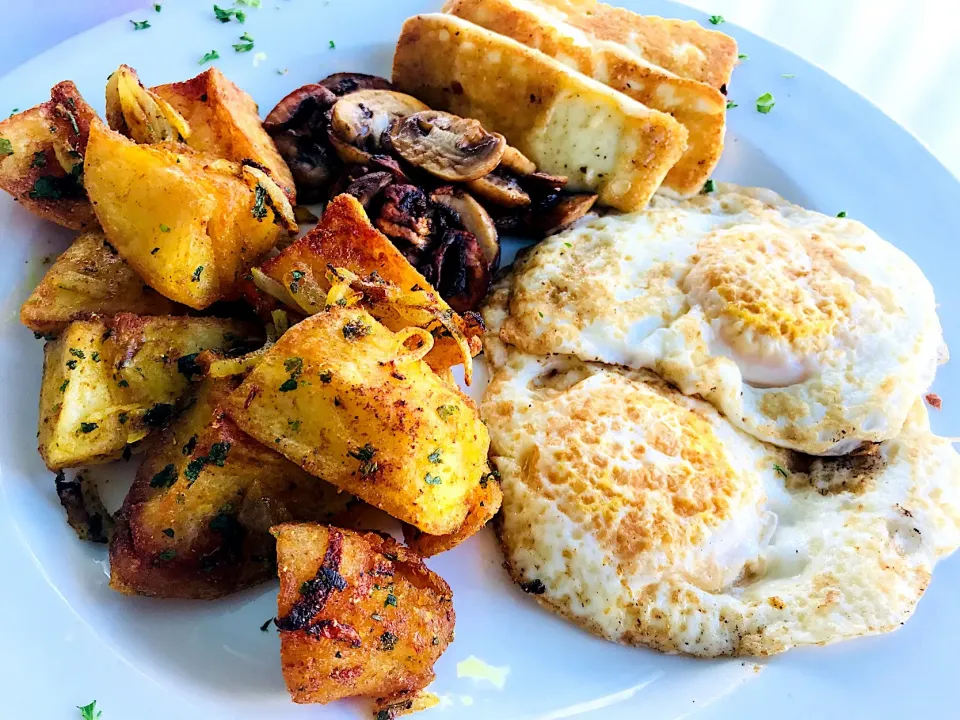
(348, 154)
(367, 187)
(341, 84)
(453, 148)
(361, 118)
(500, 189)
(515, 161)
(554, 214)
(539, 183)
(385, 162)
(405, 215)
(474, 219)
(298, 126)
(460, 272)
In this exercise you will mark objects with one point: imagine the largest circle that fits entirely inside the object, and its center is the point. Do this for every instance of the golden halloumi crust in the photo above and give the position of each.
(681, 46)
(699, 107)
(90, 278)
(567, 123)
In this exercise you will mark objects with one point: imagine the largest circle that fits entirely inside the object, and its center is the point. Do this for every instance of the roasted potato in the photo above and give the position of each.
(41, 158)
(196, 522)
(109, 382)
(90, 278)
(344, 238)
(484, 504)
(191, 225)
(224, 122)
(358, 614)
(141, 115)
(343, 397)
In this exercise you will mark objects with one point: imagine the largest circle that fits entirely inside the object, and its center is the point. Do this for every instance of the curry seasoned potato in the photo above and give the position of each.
(344, 397)
(89, 278)
(109, 382)
(41, 158)
(345, 238)
(358, 614)
(189, 224)
(196, 522)
(224, 122)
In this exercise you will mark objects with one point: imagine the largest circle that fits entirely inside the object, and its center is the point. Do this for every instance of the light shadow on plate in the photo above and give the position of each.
(746, 164)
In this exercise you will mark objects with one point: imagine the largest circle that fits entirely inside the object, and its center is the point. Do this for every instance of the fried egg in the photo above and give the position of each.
(806, 331)
(643, 515)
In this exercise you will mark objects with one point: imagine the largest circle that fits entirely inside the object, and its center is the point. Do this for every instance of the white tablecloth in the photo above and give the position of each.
(901, 54)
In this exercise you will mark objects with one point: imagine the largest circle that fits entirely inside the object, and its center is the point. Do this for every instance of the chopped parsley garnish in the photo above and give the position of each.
(288, 385)
(14, 111)
(39, 159)
(249, 3)
(432, 479)
(842, 214)
(788, 76)
(164, 228)
(225, 521)
(294, 366)
(716, 19)
(259, 202)
(780, 471)
(388, 641)
(155, 251)
(266, 625)
(765, 103)
(169, 532)
(64, 386)
(297, 276)
(72, 364)
(187, 366)
(6, 147)
(368, 466)
(333, 45)
(217, 456)
(123, 383)
(95, 357)
(89, 712)
(534, 587)
(493, 475)
(325, 376)
(212, 55)
(246, 45)
(165, 478)
(77, 353)
(86, 427)
(190, 446)
(731, 105)
(391, 600)
(294, 425)
(708, 187)
(123, 417)
(447, 411)
(142, 25)
(434, 457)
(158, 415)
(167, 555)
(157, 7)
(225, 15)
(356, 329)
(743, 56)
(196, 274)
(47, 187)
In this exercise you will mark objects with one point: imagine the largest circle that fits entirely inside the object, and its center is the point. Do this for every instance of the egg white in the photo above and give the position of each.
(806, 331)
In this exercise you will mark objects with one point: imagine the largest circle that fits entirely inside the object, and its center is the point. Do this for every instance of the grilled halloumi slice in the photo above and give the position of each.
(698, 106)
(680, 46)
(567, 123)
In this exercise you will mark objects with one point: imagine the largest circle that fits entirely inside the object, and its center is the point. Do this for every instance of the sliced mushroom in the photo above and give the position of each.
(540, 184)
(361, 118)
(406, 215)
(452, 148)
(348, 154)
(474, 219)
(367, 187)
(459, 270)
(515, 161)
(500, 189)
(385, 162)
(298, 126)
(560, 212)
(341, 84)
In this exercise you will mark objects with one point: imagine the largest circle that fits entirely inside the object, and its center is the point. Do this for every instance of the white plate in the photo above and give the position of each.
(68, 639)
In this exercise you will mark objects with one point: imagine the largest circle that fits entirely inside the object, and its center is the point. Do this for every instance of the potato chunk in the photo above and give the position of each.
(42, 167)
(344, 398)
(358, 614)
(191, 225)
(196, 522)
(224, 122)
(345, 238)
(89, 278)
(108, 383)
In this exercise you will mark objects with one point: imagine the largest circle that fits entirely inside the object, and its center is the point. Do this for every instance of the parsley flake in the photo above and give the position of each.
(169, 532)
(325, 376)
(155, 251)
(249, 3)
(731, 105)
(391, 600)
(142, 25)
(212, 55)
(288, 385)
(6, 147)
(432, 479)
(388, 641)
(716, 19)
(780, 471)
(788, 76)
(743, 56)
(447, 411)
(157, 7)
(333, 45)
(86, 427)
(246, 45)
(708, 187)
(368, 466)
(164, 228)
(165, 478)
(259, 202)
(89, 712)
(196, 274)
(167, 555)
(434, 457)
(765, 103)
(842, 214)
(356, 329)
(77, 353)
(266, 625)
(39, 159)
(225, 15)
